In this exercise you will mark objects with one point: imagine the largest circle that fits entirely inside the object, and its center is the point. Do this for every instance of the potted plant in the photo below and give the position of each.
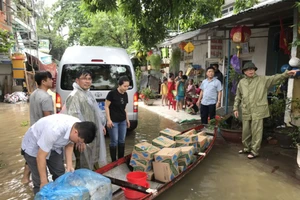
(147, 95)
(231, 128)
(288, 135)
(17, 56)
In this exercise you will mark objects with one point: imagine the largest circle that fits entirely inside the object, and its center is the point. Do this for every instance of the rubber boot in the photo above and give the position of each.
(113, 153)
(121, 149)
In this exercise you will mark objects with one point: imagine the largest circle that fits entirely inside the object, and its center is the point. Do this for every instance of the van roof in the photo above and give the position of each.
(85, 54)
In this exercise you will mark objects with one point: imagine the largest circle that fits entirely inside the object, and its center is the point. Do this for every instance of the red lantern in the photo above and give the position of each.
(182, 45)
(240, 34)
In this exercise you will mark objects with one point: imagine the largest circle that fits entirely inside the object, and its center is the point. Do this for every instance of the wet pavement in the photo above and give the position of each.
(223, 174)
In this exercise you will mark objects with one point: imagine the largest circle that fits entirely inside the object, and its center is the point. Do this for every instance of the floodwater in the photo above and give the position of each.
(222, 175)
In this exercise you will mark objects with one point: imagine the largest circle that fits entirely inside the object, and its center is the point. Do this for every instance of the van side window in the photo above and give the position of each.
(105, 76)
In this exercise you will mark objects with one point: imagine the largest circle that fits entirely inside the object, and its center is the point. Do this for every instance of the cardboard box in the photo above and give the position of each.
(181, 166)
(185, 160)
(144, 150)
(165, 172)
(187, 151)
(193, 159)
(145, 155)
(202, 133)
(163, 142)
(202, 142)
(189, 136)
(186, 144)
(169, 133)
(209, 139)
(169, 155)
(150, 175)
(181, 169)
(192, 131)
(141, 165)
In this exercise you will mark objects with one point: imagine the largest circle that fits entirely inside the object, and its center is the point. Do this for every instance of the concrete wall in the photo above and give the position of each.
(199, 55)
(259, 56)
(200, 51)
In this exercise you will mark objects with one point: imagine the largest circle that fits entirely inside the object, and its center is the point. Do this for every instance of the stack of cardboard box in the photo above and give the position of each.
(163, 142)
(142, 157)
(169, 133)
(202, 141)
(165, 164)
(186, 158)
(189, 138)
(172, 152)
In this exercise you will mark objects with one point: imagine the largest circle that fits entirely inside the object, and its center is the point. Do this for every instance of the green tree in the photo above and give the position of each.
(108, 30)
(241, 5)
(153, 19)
(48, 28)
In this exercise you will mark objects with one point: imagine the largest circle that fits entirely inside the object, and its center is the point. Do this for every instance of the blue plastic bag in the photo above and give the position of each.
(81, 184)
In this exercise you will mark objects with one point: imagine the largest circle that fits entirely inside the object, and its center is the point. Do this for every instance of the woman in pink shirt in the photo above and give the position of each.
(191, 90)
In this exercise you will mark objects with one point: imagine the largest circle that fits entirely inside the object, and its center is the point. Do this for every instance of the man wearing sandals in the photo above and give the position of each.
(251, 94)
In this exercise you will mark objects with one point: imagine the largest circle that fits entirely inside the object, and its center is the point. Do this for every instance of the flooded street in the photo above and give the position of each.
(222, 175)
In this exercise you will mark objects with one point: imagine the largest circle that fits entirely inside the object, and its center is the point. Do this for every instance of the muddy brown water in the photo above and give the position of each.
(222, 175)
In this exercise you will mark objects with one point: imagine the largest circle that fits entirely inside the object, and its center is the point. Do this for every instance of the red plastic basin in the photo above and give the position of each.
(132, 194)
(139, 178)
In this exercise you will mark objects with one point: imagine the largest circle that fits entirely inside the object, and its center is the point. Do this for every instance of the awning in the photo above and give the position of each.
(266, 12)
(43, 57)
(185, 36)
(181, 37)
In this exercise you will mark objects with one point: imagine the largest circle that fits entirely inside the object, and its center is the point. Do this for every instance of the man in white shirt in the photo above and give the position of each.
(41, 105)
(45, 141)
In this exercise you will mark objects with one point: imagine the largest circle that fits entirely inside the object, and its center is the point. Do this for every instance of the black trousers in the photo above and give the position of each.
(207, 110)
(55, 164)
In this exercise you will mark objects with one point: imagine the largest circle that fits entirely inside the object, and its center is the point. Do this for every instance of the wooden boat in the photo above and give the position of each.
(118, 170)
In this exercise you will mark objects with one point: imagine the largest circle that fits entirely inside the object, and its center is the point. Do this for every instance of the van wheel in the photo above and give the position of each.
(92, 87)
(133, 125)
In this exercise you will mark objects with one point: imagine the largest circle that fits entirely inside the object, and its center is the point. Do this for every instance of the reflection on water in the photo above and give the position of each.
(222, 175)
(11, 162)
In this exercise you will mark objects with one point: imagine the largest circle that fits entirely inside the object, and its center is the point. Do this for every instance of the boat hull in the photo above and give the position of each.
(120, 168)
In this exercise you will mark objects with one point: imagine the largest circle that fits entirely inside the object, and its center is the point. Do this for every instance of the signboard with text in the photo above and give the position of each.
(215, 48)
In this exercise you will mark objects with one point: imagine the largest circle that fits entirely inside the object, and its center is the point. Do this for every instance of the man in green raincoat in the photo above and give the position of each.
(251, 95)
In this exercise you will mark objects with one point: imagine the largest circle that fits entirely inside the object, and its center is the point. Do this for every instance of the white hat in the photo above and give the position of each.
(294, 62)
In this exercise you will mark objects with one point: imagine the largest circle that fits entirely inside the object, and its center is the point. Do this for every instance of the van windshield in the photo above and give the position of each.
(105, 76)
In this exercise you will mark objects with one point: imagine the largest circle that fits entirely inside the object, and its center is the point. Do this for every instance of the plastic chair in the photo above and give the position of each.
(172, 102)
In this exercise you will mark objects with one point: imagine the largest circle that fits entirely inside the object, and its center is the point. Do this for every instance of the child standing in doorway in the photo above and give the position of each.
(164, 91)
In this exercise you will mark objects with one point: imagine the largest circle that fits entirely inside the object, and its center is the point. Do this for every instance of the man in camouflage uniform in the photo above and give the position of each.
(251, 95)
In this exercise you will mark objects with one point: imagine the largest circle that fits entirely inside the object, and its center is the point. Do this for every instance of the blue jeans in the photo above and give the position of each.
(117, 133)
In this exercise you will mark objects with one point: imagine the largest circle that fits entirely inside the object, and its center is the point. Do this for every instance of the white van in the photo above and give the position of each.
(106, 64)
